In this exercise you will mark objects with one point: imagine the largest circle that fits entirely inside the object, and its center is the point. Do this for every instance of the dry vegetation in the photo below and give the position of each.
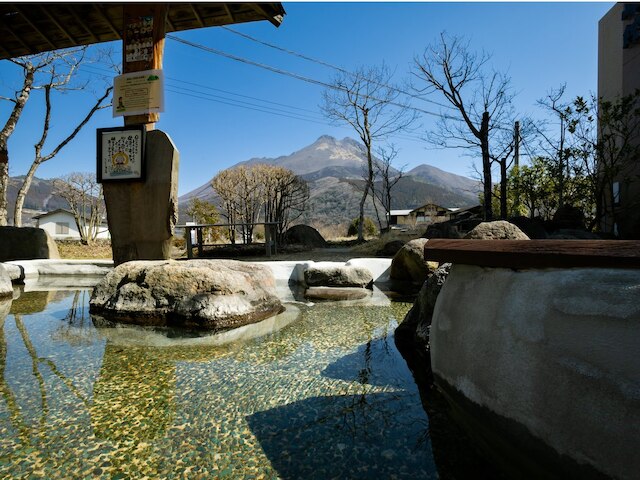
(74, 249)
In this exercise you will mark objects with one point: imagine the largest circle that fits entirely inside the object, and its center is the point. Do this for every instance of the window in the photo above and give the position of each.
(62, 228)
(616, 193)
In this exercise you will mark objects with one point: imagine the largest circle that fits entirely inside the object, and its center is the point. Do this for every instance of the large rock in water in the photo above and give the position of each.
(201, 294)
(409, 263)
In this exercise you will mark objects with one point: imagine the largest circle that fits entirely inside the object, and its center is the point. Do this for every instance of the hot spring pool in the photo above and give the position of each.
(325, 396)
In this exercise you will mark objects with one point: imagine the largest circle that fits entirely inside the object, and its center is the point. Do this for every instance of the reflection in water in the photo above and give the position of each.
(326, 396)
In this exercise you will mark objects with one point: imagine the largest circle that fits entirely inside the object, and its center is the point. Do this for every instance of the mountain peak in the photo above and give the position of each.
(325, 138)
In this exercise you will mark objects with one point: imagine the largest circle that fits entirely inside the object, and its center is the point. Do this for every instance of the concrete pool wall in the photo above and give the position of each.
(292, 271)
(553, 350)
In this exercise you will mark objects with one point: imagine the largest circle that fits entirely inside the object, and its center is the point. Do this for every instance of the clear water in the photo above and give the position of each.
(326, 396)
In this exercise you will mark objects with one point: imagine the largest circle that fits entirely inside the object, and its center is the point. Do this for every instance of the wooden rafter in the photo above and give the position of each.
(35, 27)
(52, 26)
(55, 21)
(108, 21)
(16, 36)
(196, 14)
(82, 24)
(229, 13)
(258, 8)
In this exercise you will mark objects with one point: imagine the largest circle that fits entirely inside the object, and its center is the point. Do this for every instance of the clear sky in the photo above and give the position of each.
(540, 45)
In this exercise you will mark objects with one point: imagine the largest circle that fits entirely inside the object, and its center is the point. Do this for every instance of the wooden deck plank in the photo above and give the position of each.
(536, 253)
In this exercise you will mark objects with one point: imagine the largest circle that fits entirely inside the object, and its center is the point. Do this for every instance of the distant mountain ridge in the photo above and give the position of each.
(334, 167)
(40, 198)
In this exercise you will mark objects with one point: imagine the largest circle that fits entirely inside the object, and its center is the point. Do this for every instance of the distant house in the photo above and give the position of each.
(428, 213)
(61, 225)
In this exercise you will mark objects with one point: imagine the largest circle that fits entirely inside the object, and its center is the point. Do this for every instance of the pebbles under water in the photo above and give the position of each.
(325, 396)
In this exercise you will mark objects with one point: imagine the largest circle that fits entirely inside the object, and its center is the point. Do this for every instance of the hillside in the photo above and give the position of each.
(334, 169)
(40, 198)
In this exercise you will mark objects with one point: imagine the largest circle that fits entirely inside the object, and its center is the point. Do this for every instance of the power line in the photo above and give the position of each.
(255, 108)
(335, 67)
(298, 76)
(180, 90)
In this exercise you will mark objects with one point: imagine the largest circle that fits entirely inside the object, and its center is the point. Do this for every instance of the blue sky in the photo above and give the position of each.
(540, 45)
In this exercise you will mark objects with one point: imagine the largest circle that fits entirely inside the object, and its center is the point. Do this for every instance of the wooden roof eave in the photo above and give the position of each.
(52, 26)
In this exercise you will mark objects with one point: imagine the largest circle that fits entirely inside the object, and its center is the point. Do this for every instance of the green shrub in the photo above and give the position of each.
(369, 228)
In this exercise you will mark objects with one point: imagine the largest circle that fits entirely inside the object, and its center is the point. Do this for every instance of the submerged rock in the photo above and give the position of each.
(336, 293)
(201, 294)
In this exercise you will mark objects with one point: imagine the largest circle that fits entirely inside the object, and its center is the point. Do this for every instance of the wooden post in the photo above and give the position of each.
(189, 244)
(133, 14)
(199, 240)
(142, 215)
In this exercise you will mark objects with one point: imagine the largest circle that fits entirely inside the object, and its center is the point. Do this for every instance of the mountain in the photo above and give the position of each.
(40, 198)
(334, 169)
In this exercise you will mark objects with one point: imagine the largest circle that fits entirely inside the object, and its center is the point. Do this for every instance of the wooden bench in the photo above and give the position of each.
(519, 254)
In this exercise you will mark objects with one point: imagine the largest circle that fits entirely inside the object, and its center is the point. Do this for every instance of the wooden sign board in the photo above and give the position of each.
(138, 93)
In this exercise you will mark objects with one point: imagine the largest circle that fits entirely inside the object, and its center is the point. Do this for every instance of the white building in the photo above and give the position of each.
(61, 225)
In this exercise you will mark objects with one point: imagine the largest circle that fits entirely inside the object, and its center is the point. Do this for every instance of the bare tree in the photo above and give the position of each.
(30, 66)
(41, 157)
(86, 202)
(480, 101)
(55, 71)
(239, 189)
(388, 177)
(224, 185)
(285, 196)
(366, 101)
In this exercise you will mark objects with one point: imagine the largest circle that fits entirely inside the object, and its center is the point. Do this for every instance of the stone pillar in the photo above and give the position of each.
(142, 215)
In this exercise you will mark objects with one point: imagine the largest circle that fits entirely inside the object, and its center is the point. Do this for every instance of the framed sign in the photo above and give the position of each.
(138, 93)
(120, 153)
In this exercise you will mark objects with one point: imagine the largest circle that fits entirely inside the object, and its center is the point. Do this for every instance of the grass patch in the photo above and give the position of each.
(74, 249)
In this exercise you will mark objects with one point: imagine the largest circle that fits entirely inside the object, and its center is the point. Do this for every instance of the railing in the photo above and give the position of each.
(270, 235)
(536, 253)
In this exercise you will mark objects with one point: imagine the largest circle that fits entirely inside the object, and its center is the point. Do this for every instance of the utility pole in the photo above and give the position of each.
(516, 162)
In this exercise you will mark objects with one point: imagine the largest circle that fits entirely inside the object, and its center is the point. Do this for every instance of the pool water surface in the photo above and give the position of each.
(326, 396)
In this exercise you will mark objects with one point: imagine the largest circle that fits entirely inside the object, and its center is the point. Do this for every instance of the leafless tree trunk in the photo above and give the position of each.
(389, 177)
(366, 101)
(39, 157)
(480, 101)
(85, 199)
(20, 100)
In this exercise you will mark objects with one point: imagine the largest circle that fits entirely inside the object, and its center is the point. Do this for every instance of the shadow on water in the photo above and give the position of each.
(352, 436)
(372, 434)
(375, 363)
